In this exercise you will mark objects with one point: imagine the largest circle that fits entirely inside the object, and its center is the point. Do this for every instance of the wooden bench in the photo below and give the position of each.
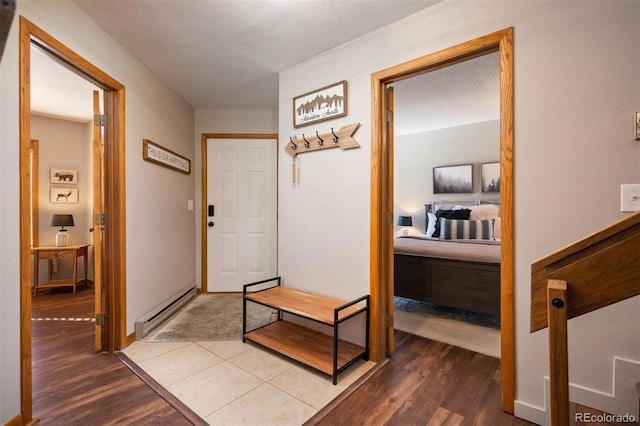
(322, 352)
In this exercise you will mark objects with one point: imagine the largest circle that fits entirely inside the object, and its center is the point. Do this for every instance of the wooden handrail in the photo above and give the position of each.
(599, 270)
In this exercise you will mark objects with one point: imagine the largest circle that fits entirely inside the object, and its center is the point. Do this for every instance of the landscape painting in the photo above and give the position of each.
(453, 179)
(490, 175)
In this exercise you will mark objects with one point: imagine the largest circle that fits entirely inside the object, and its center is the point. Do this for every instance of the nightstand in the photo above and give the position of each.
(55, 253)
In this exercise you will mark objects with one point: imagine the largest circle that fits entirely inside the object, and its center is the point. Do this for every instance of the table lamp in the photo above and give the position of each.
(405, 221)
(62, 236)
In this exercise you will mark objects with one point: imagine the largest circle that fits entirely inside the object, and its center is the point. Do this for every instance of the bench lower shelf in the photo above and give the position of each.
(307, 346)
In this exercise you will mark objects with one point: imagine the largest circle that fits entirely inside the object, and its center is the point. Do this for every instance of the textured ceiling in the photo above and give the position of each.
(460, 94)
(227, 54)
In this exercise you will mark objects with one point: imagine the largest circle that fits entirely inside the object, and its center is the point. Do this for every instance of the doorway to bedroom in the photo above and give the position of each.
(110, 333)
(382, 194)
(447, 120)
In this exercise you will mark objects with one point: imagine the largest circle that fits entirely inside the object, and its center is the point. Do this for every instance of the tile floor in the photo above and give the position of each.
(235, 383)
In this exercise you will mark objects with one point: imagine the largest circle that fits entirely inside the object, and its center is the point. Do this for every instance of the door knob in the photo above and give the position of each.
(210, 224)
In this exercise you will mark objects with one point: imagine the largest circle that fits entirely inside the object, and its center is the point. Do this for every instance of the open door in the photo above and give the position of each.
(98, 225)
(110, 245)
(389, 102)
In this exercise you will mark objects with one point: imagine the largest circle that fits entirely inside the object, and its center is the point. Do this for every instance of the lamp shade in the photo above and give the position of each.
(405, 221)
(62, 220)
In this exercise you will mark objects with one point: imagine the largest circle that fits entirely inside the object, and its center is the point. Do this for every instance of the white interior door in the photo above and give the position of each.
(242, 233)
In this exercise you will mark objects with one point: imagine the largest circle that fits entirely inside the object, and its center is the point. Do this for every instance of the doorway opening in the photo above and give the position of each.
(382, 197)
(110, 257)
(449, 117)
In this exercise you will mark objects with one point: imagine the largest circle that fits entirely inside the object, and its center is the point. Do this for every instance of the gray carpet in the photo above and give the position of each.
(212, 317)
(428, 309)
(476, 332)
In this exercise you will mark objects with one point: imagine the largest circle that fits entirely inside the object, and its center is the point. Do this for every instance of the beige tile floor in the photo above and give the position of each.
(235, 383)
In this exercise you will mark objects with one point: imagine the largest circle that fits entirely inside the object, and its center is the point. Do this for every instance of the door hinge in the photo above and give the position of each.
(389, 116)
(100, 120)
(101, 318)
(388, 321)
(100, 219)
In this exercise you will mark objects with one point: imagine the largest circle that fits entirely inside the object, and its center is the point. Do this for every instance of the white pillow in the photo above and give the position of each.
(484, 212)
(431, 226)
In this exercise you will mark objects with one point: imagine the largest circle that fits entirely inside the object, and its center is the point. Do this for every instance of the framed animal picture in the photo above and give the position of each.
(61, 194)
(63, 176)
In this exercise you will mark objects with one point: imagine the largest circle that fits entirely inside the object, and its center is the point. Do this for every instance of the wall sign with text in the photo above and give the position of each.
(155, 153)
(319, 105)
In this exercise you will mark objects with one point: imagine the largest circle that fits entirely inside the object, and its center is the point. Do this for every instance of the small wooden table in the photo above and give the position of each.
(51, 253)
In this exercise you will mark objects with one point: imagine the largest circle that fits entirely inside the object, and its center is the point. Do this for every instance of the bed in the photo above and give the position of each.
(461, 273)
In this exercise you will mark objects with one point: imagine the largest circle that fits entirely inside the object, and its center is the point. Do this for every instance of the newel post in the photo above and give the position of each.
(558, 355)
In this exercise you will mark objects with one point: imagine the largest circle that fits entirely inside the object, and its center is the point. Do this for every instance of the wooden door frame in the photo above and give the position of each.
(203, 191)
(34, 154)
(115, 253)
(381, 269)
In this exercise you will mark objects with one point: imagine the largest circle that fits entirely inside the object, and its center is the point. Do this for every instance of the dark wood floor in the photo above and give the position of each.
(73, 385)
(425, 382)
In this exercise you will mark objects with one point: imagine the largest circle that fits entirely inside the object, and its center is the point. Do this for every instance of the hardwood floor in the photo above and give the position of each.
(73, 385)
(426, 382)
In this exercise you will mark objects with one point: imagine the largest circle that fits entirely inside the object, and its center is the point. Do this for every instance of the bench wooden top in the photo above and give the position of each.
(302, 303)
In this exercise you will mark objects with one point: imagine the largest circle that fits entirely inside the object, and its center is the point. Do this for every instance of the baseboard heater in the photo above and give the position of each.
(164, 310)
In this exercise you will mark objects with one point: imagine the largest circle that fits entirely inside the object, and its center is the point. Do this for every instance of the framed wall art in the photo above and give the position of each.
(322, 104)
(63, 194)
(490, 177)
(638, 126)
(65, 176)
(453, 179)
(162, 156)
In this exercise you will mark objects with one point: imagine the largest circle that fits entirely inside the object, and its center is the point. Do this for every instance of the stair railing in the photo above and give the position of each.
(594, 272)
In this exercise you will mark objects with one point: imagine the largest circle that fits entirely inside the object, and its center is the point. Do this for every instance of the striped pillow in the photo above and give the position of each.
(453, 229)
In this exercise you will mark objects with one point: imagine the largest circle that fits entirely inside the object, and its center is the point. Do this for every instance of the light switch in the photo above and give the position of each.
(190, 205)
(630, 198)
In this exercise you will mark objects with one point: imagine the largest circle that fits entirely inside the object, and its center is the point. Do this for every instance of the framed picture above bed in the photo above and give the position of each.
(490, 176)
(453, 179)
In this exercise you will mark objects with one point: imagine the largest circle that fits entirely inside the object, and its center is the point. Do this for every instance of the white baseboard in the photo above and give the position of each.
(530, 413)
(623, 399)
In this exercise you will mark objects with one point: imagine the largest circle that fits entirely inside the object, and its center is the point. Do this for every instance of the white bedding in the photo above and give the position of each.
(487, 251)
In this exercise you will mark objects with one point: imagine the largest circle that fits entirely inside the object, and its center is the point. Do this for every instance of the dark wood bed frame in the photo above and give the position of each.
(473, 286)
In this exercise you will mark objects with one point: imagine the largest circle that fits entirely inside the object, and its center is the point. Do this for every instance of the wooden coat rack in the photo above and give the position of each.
(342, 139)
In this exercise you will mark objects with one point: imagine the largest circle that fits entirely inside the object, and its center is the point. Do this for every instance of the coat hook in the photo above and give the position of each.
(294, 145)
(306, 142)
(320, 141)
(335, 137)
